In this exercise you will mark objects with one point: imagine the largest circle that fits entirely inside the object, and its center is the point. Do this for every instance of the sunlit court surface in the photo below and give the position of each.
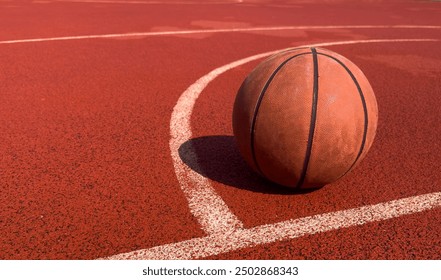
(116, 138)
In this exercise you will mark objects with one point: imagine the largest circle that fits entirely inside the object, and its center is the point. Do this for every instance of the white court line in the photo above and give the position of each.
(226, 231)
(205, 204)
(208, 31)
(222, 243)
(140, 2)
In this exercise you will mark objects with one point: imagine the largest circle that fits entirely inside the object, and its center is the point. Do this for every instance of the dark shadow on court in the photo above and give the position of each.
(217, 158)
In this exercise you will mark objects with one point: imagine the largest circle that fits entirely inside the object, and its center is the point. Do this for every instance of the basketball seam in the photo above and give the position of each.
(363, 101)
(287, 51)
(312, 121)
(258, 104)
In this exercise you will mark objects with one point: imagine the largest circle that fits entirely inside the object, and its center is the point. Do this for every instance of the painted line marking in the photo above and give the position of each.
(227, 233)
(200, 31)
(139, 2)
(222, 243)
(205, 204)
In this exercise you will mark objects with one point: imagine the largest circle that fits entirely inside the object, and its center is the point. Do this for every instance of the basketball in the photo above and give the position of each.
(305, 117)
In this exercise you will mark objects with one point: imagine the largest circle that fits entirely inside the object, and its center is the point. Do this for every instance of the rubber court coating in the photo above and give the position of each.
(89, 166)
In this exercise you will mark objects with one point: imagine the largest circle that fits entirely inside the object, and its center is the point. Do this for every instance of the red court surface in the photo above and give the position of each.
(116, 139)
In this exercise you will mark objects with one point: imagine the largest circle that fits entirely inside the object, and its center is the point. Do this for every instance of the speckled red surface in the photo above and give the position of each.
(85, 165)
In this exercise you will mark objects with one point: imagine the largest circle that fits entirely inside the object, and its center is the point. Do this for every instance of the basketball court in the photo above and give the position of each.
(117, 141)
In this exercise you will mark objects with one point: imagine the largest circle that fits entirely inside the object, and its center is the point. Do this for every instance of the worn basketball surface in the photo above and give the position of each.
(304, 118)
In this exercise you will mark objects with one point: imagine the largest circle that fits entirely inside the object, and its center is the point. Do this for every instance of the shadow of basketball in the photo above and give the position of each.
(218, 158)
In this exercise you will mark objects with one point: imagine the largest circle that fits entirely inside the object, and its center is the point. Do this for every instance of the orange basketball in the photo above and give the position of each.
(303, 118)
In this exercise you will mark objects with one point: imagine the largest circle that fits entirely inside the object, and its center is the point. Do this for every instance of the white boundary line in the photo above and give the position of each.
(209, 31)
(221, 243)
(146, 2)
(139, 2)
(205, 204)
(226, 232)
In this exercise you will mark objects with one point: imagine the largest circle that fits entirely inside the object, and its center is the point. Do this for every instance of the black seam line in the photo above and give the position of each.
(313, 120)
(258, 103)
(287, 51)
(363, 101)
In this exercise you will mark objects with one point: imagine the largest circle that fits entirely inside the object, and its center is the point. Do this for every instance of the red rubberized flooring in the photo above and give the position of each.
(93, 104)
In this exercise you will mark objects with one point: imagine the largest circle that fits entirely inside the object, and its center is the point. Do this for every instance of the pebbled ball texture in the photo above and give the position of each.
(304, 118)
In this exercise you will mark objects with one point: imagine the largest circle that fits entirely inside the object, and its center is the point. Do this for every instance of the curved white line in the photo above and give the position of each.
(141, 2)
(208, 31)
(205, 204)
(217, 244)
(236, 237)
